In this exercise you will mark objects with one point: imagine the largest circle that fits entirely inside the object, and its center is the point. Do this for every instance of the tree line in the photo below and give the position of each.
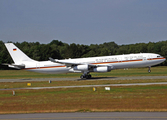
(59, 50)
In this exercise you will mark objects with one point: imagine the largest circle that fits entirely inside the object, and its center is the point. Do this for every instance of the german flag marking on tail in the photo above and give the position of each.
(14, 49)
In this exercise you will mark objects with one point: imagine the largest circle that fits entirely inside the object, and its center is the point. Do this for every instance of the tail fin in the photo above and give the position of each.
(17, 55)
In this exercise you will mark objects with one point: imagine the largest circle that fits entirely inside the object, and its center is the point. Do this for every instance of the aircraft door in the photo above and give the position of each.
(119, 59)
(144, 58)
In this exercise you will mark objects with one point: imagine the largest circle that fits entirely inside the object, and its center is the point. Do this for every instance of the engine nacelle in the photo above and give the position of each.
(81, 67)
(103, 69)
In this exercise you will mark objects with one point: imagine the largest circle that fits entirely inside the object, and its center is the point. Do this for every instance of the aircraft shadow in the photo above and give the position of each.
(98, 78)
(26, 79)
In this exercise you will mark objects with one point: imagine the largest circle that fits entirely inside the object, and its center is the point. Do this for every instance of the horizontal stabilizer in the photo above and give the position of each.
(22, 66)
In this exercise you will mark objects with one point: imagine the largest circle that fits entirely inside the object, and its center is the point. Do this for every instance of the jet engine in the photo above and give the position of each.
(81, 67)
(103, 69)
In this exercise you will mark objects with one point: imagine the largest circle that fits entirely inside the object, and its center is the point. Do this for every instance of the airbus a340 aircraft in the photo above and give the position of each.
(82, 65)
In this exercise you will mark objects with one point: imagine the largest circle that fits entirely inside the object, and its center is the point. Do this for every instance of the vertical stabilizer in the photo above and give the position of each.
(17, 55)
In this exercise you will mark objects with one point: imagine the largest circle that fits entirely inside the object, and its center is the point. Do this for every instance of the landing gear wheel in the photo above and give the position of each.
(149, 69)
(82, 77)
(89, 76)
(85, 76)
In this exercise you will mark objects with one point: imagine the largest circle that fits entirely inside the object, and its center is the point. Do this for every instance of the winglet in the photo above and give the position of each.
(53, 60)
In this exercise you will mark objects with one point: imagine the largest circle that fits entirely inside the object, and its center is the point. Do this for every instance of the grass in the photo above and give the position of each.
(125, 98)
(22, 74)
(132, 98)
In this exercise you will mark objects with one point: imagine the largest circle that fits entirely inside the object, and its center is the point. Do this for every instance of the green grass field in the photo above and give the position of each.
(132, 98)
(125, 98)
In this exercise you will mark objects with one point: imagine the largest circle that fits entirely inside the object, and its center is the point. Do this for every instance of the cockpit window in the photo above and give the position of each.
(158, 56)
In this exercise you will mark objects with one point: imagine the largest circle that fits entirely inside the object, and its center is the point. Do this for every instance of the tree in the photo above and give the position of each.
(150, 47)
(56, 42)
(122, 50)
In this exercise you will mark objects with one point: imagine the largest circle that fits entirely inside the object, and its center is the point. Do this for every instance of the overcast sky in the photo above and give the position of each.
(83, 21)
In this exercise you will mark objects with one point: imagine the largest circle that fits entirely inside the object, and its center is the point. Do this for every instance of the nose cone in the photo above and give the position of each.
(163, 59)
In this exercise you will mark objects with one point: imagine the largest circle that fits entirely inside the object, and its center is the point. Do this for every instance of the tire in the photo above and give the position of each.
(82, 77)
(89, 76)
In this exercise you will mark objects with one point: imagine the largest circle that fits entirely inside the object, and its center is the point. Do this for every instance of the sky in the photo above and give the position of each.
(83, 21)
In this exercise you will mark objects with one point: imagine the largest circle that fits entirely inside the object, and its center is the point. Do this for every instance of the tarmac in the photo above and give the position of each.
(77, 79)
(88, 116)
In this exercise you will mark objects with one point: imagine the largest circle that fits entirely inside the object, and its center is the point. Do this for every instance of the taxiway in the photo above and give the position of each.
(75, 79)
(88, 116)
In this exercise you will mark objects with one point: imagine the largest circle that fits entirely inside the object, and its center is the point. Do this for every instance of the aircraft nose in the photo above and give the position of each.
(164, 58)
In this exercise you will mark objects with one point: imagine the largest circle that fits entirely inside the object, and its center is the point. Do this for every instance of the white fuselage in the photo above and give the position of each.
(116, 61)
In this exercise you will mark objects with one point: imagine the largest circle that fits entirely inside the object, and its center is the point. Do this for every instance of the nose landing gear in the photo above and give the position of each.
(149, 69)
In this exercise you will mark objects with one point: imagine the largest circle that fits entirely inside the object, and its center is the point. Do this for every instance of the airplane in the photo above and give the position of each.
(82, 65)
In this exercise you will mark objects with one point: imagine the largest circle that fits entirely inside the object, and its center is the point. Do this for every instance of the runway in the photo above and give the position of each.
(88, 116)
(81, 86)
(76, 79)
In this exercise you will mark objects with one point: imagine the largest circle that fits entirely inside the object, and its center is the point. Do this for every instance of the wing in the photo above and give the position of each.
(67, 63)
(72, 64)
(84, 67)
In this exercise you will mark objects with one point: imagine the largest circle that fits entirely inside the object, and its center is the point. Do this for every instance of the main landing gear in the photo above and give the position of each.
(149, 69)
(85, 76)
